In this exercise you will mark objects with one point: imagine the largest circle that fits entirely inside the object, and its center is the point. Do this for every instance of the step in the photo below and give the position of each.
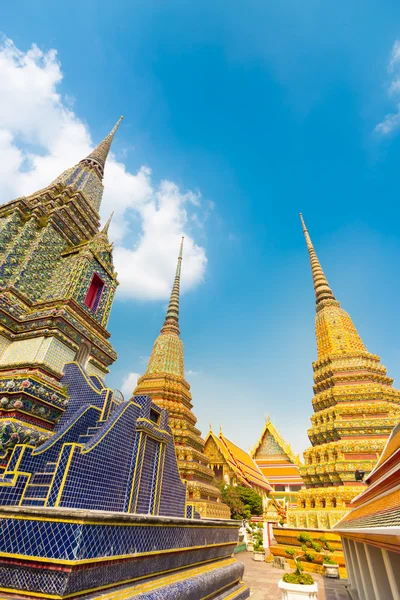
(33, 502)
(41, 479)
(50, 467)
(93, 430)
(83, 439)
(37, 491)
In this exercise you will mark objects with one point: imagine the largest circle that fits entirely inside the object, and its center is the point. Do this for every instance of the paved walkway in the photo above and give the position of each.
(262, 579)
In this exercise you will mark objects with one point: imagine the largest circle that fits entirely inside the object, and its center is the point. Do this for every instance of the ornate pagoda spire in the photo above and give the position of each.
(97, 158)
(355, 408)
(335, 331)
(107, 225)
(321, 286)
(171, 323)
(164, 381)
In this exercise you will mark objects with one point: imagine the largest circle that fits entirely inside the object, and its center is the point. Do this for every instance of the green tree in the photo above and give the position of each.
(243, 502)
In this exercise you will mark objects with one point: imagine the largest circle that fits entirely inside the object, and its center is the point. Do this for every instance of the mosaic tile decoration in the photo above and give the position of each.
(63, 582)
(50, 248)
(85, 465)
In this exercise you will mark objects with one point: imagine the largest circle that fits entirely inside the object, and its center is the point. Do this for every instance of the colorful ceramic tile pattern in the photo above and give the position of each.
(50, 249)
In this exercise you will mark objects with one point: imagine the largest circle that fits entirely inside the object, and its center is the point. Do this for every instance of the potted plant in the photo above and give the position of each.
(330, 565)
(249, 537)
(258, 552)
(331, 568)
(297, 585)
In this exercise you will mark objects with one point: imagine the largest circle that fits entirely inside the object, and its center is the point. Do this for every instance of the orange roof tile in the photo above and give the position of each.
(241, 463)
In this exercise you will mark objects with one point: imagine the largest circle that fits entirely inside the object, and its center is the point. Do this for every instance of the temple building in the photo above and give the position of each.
(279, 465)
(234, 466)
(355, 410)
(165, 382)
(370, 532)
(57, 285)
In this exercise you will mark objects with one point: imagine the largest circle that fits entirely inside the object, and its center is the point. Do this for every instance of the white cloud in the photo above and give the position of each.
(41, 136)
(129, 384)
(392, 120)
(394, 57)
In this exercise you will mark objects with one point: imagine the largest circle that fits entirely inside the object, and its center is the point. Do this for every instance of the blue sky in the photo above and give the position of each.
(254, 112)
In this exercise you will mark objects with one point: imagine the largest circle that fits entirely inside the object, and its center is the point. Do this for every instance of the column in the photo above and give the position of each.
(355, 569)
(392, 565)
(365, 574)
(349, 564)
(373, 573)
(380, 573)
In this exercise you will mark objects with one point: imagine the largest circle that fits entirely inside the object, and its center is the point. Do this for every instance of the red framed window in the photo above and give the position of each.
(94, 292)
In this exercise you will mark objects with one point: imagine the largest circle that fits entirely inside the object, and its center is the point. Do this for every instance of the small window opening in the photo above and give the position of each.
(94, 292)
(154, 416)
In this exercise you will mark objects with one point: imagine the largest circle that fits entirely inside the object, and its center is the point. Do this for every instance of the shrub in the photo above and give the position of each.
(306, 538)
(329, 547)
(315, 546)
(298, 579)
(309, 556)
(329, 561)
(290, 551)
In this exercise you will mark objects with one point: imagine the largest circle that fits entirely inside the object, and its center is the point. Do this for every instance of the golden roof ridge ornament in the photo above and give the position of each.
(171, 322)
(97, 158)
(321, 286)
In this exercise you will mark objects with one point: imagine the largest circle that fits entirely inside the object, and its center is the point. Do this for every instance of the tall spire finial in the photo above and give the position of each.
(321, 286)
(107, 225)
(97, 158)
(171, 322)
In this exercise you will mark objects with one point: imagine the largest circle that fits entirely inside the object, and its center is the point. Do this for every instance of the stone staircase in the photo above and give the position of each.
(38, 488)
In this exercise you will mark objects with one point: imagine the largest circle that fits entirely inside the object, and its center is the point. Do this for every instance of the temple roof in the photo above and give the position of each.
(277, 447)
(377, 509)
(240, 462)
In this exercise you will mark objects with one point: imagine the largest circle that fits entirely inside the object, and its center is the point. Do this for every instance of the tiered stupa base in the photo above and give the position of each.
(150, 556)
(322, 507)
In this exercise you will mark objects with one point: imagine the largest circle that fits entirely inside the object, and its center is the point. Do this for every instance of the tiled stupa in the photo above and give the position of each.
(355, 410)
(99, 509)
(165, 382)
(57, 285)
(91, 500)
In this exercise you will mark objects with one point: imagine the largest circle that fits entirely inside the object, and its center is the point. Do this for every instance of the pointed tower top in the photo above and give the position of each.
(97, 158)
(171, 322)
(321, 286)
(107, 225)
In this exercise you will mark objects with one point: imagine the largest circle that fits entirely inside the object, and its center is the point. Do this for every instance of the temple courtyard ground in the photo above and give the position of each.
(262, 579)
